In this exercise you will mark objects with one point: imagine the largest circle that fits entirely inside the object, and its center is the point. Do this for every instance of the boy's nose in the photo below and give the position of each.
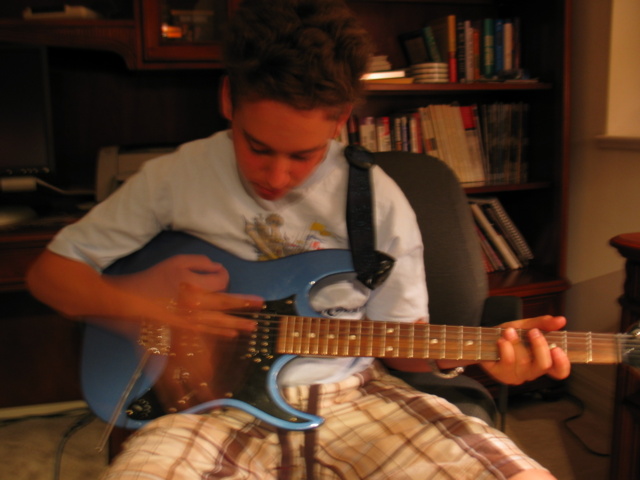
(278, 173)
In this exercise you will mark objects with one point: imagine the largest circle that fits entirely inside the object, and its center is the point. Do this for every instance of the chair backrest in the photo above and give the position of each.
(456, 279)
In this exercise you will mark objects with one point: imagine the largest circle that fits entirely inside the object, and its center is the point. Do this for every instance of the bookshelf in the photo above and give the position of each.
(538, 206)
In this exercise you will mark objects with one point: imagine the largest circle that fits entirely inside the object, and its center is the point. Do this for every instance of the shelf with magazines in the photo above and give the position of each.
(536, 75)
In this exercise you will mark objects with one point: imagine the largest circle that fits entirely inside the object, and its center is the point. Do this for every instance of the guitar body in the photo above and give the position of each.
(245, 378)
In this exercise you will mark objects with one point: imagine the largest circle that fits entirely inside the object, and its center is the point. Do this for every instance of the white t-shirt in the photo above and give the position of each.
(198, 190)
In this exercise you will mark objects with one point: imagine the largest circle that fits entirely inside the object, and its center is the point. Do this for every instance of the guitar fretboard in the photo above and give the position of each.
(334, 337)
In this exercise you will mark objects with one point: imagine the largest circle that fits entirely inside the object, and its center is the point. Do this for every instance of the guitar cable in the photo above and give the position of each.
(80, 423)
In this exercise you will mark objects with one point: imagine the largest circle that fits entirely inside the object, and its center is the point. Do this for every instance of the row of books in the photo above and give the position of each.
(480, 143)
(503, 246)
(478, 49)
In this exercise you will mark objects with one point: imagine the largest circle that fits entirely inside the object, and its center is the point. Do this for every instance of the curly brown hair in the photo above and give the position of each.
(305, 53)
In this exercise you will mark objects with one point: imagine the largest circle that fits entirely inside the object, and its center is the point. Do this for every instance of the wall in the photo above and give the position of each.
(604, 198)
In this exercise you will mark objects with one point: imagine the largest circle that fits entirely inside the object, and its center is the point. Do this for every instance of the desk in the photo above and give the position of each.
(39, 350)
(625, 462)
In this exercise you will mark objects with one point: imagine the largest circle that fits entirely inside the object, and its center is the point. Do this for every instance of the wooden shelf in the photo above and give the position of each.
(118, 36)
(375, 88)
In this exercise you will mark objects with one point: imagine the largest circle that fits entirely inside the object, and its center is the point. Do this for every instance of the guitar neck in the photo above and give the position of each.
(349, 338)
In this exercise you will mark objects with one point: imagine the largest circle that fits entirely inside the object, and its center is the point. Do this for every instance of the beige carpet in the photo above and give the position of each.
(28, 447)
(577, 449)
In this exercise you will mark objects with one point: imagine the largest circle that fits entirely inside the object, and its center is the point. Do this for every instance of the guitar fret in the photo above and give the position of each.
(324, 336)
(370, 337)
(479, 347)
(412, 345)
(396, 350)
(589, 348)
(443, 353)
(335, 335)
(426, 341)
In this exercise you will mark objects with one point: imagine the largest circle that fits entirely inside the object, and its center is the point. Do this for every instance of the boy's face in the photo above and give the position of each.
(277, 146)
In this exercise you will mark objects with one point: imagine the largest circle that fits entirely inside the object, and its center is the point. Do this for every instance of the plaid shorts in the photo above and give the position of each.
(376, 427)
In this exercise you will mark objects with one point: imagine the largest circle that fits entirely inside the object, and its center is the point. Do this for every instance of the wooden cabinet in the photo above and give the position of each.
(157, 34)
(174, 30)
(39, 350)
(625, 464)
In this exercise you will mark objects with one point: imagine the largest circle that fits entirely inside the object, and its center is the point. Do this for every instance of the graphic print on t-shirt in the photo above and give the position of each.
(271, 240)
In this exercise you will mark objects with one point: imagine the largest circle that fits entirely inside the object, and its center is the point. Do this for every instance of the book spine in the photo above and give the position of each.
(431, 45)
(488, 62)
(468, 51)
(415, 133)
(451, 48)
(499, 45)
(368, 136)
(383, 131)
(461, 52)
(508, 44)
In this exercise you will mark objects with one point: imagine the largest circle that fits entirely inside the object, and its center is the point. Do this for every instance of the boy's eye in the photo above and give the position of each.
(301, 158)
(260, 151)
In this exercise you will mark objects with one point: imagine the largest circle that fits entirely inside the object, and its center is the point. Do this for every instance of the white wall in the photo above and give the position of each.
(604, 193)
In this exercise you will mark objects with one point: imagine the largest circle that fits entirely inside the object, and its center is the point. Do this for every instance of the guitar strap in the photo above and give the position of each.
(372, 266)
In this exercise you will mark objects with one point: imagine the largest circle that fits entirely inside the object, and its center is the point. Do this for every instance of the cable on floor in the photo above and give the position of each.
(80, 423)
(578, 415)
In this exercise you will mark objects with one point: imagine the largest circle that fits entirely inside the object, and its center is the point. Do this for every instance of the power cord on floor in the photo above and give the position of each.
(85, 417)
(80, 423)
(566, 422)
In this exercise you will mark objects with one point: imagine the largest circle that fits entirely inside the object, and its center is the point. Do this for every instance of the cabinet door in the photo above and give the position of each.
(183, 30)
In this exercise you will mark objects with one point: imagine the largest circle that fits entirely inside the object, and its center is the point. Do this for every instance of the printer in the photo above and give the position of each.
(116, 164)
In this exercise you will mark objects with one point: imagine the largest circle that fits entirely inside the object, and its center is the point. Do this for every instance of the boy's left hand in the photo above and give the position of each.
(519, 363)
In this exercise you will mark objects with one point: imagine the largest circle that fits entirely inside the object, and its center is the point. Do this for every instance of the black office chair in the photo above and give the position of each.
(456, 279)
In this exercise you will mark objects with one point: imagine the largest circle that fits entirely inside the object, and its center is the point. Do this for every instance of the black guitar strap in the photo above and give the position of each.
(372, 267)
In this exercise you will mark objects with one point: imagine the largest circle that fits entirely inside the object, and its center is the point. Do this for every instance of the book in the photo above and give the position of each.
(499, 243)
(416, 145)
(429, 142)
(414, 47)
(491, 259)
(473, 140)
(431, 44)
(468, 52)
(368, 137)
(444, 32)
(499, 45)
(385, 75)
(488, 58)
(507, 44)
(461, 48)
(383, 134)
(378, 63)
(495, 211)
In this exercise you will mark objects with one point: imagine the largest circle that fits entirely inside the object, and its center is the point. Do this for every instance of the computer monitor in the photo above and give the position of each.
(26, 137)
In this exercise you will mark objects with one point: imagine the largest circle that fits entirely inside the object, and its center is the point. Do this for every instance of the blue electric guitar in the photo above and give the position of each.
(247, 367)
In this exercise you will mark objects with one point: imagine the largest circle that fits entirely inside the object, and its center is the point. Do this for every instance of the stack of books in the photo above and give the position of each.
(503, 246)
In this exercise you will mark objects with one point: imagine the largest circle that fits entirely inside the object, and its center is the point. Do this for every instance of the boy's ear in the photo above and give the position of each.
(226, 106)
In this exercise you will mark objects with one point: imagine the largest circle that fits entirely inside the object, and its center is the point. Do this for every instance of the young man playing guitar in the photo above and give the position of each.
(272, 186)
